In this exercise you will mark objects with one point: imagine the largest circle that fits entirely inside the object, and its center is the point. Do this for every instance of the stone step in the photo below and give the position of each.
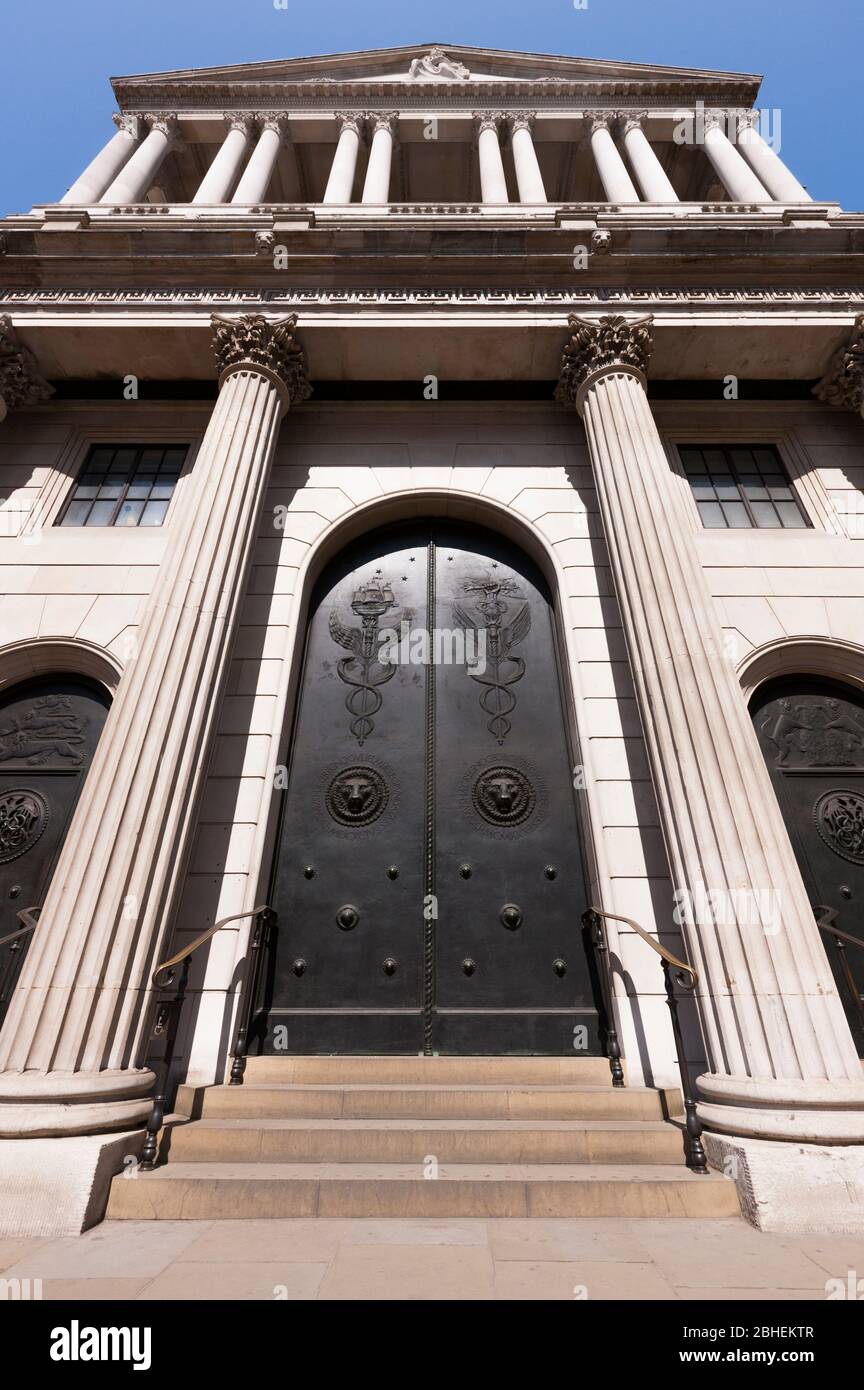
(215, 1191)
(412, 1071)
(491, 1102)
(412, 1141)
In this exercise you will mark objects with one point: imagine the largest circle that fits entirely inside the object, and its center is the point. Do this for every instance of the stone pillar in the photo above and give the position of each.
(256, 177)
(72, 1047)
(20, 381)
(733, 171)
(783, 1065)
(493, 183)
(219, 179)
(780, 182)
(138, 173)
(617, 183)
(529, 180)
(650, 174)
(107, 164)
(376, 188)
(340, 184)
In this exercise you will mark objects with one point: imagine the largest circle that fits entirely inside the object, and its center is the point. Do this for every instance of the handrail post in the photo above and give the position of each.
(166, 1020)
(694, 1149)
(265, 920)
(594, 922)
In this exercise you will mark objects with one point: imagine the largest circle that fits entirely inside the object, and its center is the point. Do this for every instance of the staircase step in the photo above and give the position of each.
(407, 1101)
(215, 1191)
(411, 1141)
(479, 1071)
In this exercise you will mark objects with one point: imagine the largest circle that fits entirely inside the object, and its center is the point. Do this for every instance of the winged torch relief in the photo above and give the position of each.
(363, 669)
(498, 599)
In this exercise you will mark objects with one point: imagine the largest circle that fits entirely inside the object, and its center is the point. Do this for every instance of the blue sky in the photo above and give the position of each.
(56, 101)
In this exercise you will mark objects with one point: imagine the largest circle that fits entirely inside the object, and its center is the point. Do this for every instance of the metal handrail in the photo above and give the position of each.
(166, 1017)
(826, 923)
(30, 924)
(593, 919)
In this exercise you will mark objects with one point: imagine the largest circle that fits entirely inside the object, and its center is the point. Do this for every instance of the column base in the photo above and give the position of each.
(48, 1104)
(796, 1188)
(809, 1112)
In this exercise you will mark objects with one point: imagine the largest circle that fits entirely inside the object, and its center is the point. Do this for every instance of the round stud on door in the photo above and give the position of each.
(845, 891)
(308, 871)
(464, 870)
(392, 872)
(559, 967)
(511, 916)
(347, 917)
(15, 890)
(469, 966)
(550, 871)
(299, 967)
(390, 966)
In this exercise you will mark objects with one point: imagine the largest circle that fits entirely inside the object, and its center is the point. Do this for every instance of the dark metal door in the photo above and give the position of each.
(48, 734)
(428, 878)
(812, 735)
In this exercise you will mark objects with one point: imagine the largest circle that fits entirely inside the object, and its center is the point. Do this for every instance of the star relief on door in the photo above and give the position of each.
(496, 598)
(363, 670)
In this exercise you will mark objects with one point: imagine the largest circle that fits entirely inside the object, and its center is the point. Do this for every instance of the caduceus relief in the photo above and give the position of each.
(503, 669)
(363, 670)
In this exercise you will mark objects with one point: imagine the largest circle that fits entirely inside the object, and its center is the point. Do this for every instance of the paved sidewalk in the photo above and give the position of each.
(612, 1258)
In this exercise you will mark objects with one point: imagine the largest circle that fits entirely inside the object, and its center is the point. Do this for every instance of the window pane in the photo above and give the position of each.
(101, 514)
(767, 460)
(76, 514)
(736, 515)
(765, 515)
(114, 490)
(154, 513)
(742, 459)
(692, 460)
(727, 491)
(716, 460)
(712, 514)
(140, 490)
(151, 458)
(85, 492)
(100, 458)
(163, 490)
(790, 516)
(174, 458)
(129, 513)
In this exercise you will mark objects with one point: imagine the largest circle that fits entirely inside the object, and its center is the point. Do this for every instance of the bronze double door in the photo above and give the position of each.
(812, 735)
(48, 735)
(428, 878)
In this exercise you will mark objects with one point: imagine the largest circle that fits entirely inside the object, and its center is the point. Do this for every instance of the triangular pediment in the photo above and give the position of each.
(429, 66)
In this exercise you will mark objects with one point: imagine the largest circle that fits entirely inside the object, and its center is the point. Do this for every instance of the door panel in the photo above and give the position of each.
(428, 878)
(48, 735)
(812, 735)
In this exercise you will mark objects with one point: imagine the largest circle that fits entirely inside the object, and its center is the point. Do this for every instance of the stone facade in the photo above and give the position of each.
(441, 245)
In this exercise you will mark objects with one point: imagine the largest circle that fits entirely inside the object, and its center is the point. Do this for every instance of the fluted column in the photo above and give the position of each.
(220, 177)
(138, 173)
(529, 180)
(617, 183)
(780, 182)
(650, 174)
(256, 177)
(782, 1060)
(72, 1047)
(493, 182)
(100, 172)
(20, 380)
(732, 169)
(376, 188)
(340, 184)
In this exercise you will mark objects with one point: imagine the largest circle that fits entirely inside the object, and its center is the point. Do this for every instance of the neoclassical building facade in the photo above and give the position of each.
(390, 444)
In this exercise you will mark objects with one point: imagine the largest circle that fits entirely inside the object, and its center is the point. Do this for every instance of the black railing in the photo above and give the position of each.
(16, 941)
(166, 1015)
(825, 919)
(674, 971)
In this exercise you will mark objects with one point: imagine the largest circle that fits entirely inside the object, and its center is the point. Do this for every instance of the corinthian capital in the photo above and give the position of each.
(20, 381)
(522, 120)
(130, 124)
(349, 120)
(486, 120)
(256, 343)
(630, 120)
(599, 120)
(382, 120)
(166, 122)
(843, 383)
(244, 121)
(598, 346)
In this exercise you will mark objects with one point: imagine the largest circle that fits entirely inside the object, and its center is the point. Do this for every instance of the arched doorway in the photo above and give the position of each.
(811, 731)
(49, 729)
(429, 878)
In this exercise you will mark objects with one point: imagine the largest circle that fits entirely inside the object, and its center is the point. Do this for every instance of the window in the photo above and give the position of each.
(740, 486)
(125, 485)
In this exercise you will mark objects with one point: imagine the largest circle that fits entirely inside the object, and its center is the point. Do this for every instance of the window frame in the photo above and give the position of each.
(128, 480)
(727, 448)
